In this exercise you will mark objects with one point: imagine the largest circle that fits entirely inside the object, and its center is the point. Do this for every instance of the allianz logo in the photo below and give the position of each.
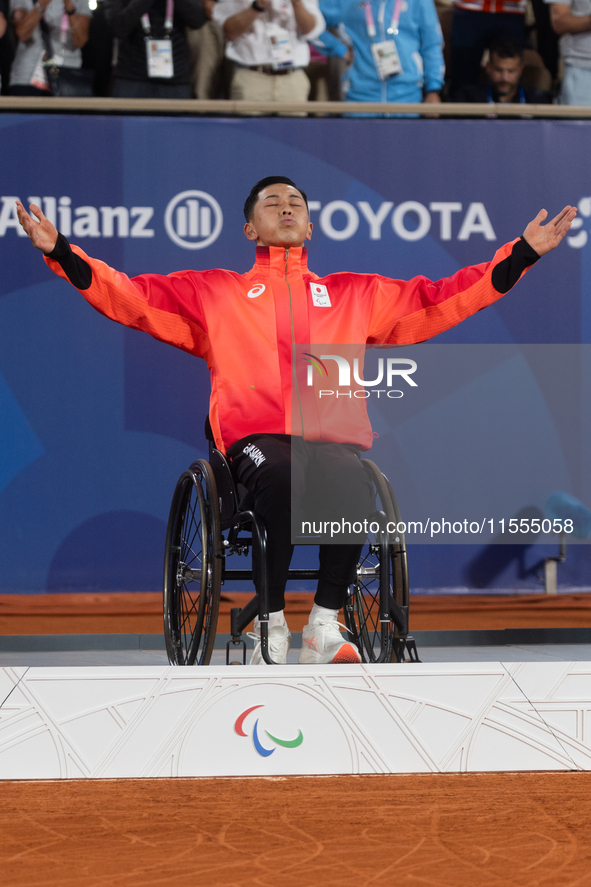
(192, 219)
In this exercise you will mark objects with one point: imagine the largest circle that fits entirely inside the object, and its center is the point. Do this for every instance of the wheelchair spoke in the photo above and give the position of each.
(192, 609)
(186, 621)
(197, 528)
(197, 556)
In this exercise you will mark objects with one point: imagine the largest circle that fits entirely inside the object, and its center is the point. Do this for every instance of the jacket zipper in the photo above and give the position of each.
(293, 342)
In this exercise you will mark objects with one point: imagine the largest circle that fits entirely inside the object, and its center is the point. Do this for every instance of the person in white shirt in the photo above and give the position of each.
(61, 26)
(268, 43)
(573, 22)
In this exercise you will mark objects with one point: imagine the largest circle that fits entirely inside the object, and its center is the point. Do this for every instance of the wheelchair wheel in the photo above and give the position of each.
(362, 607)
(192, 568)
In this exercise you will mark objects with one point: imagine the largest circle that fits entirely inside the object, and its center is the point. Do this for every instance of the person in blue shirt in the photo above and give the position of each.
(396, 47)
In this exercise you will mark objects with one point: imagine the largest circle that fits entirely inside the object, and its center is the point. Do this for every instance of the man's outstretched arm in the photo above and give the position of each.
(413, 311)
(166, 307)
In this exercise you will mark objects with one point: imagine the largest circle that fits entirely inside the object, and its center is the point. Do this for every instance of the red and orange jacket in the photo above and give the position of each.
(245, 325)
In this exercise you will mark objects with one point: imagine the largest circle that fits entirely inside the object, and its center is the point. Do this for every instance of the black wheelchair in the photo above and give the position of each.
(211, 519)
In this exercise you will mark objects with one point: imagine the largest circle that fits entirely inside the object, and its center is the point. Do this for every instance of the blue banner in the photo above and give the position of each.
(98, 421)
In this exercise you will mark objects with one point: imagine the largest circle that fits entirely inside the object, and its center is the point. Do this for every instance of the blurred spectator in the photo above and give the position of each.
(329, 58)
(206, 45)
(97, 55)
(546, 39)
(267, 41)
(397, 49)
(50, 30)
(445, 11)
(573, 22)
(153, 58)
(6, 47)
(504, 70)
(474, 27)
(317, 74)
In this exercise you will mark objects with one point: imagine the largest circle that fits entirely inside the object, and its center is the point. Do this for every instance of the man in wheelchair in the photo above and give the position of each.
(245, 325)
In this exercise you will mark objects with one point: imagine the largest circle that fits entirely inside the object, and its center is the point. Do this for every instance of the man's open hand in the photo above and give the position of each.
(545, 238)
(42, 233)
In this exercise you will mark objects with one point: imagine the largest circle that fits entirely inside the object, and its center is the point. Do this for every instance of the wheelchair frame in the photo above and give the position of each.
(204, 507)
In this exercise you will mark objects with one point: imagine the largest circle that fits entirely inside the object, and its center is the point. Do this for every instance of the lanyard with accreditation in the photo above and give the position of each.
(385, 54)
(159, 52)
(282, 51)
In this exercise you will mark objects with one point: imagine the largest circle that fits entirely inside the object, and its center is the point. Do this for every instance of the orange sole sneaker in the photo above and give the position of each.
(347, 653)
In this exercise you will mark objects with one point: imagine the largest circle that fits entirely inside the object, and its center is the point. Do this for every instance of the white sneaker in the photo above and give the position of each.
(322, 642)
(279, 644)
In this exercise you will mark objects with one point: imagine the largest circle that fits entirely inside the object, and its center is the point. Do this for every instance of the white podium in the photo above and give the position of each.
(117, 722)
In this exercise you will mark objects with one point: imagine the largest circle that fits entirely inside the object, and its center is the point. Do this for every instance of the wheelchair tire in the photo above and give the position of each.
(362, 607)
(192, 568)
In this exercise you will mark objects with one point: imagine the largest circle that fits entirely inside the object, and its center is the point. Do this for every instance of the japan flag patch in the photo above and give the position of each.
(320, 296)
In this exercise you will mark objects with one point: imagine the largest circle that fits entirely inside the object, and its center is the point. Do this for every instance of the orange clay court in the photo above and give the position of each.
(469, 830)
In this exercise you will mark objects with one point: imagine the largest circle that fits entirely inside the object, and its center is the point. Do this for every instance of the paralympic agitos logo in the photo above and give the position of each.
(396, 368)
(259, 747)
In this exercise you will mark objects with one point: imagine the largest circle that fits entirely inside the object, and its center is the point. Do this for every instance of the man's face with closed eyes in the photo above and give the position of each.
(279, 218)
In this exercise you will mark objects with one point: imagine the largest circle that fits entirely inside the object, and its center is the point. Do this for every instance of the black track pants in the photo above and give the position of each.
(279, 471)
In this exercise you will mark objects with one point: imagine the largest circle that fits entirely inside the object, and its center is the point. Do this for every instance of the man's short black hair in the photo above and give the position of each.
(505, 48)
(264, 183)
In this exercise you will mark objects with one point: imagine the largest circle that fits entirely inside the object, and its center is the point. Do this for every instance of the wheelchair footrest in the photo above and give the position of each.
(411, 646)
(404, 646)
